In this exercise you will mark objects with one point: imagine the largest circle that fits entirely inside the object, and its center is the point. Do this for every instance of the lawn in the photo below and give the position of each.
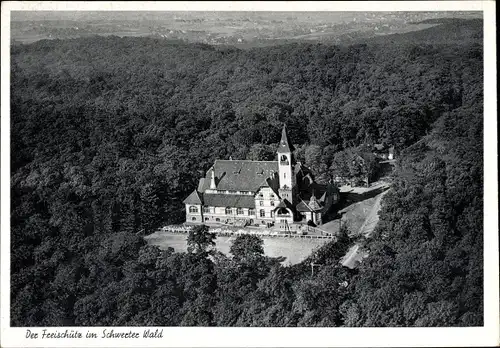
(294, 249)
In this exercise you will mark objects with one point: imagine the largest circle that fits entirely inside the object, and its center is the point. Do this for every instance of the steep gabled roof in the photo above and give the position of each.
(285, 144)
(302, 171)
(222, 200)
(282, 204)
(308, 206)
(323, 197)
(320, 191)
(313, 204)
(241, 175)
(303, 207)
(193, 198)
(264, 183)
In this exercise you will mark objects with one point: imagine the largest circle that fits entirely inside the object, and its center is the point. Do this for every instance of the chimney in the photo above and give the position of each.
(212, 180)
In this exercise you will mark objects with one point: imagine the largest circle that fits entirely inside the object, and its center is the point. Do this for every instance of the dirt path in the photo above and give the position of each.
(372, 219)
(354, 254)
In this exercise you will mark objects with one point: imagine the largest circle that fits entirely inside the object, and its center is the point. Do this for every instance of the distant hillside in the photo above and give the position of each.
(452, 30)
(446, 21)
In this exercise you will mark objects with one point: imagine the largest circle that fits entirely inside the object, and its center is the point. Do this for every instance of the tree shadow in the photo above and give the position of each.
(348, 198)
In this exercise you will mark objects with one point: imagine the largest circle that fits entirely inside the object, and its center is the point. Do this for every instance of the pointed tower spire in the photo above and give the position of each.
(285, 144)
(313, 197)
(287, 180)
(313, 203)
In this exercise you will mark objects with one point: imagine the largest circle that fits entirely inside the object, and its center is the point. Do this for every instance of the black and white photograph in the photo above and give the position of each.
(244, 166)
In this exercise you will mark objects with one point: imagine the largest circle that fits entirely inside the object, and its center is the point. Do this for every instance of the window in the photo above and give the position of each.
(261, 194)
(239, 211)
(193, 209)
(284, 175)
(251, 211)
(283, 211)
(261, 203)
(271, 195)
(206, 219)
(228, 211)
(272, 203)
(206, 209)
(262, 213)
(194, 218)
(217, 219)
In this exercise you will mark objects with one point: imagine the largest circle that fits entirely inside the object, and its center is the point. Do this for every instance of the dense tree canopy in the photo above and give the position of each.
(109, 135)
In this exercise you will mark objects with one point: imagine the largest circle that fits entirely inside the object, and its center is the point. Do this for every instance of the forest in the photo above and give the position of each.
(109, 135)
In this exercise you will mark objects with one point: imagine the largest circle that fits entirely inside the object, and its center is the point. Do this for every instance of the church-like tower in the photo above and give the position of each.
(286, 164)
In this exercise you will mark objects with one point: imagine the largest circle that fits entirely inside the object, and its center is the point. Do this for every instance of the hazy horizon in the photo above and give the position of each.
(283, 15)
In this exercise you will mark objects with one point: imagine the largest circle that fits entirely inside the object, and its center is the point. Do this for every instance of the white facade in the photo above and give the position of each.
(285, 167)
(194, 213)
(266, 202)
(227, 214)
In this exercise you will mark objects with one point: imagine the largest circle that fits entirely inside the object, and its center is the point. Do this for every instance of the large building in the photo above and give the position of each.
(270, 193)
